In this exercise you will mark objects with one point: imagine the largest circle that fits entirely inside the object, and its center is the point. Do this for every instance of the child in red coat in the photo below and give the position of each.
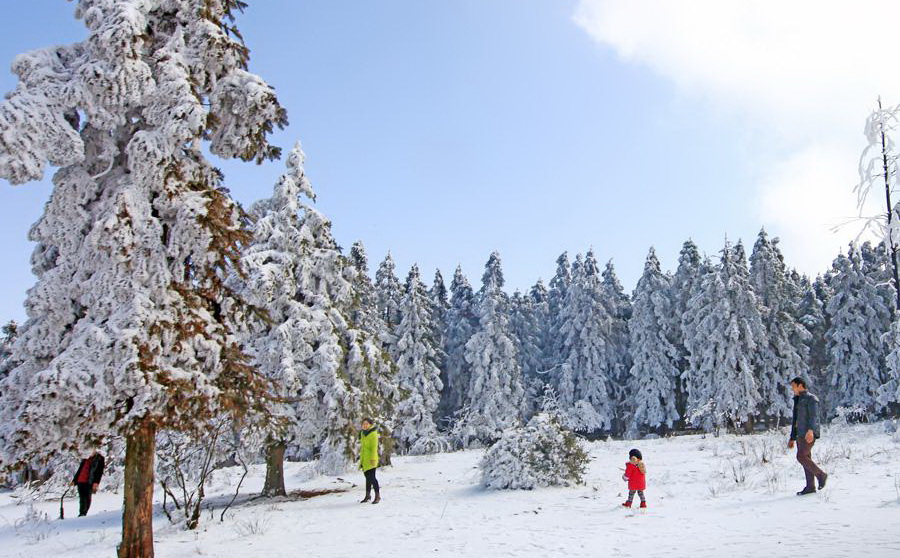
(636, 475)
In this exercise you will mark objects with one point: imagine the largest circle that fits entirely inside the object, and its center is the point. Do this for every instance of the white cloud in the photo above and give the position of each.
(800, 74)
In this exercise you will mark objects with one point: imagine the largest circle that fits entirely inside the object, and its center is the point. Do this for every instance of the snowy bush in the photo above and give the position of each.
(35, 525)
(540, 453)
(845, 416)
(187, 461)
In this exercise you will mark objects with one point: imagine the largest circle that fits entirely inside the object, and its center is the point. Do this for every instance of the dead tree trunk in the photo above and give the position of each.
(892, 247)
(137, 515)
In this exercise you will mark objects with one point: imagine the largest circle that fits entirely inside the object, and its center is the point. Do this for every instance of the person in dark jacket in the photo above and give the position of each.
(804, 433)
(87, 479)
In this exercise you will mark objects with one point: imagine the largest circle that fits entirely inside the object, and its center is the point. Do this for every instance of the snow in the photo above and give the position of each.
(433, 505)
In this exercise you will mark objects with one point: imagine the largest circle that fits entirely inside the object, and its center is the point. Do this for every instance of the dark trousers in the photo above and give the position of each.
(84, 497)
(371, 481)
(804, 456)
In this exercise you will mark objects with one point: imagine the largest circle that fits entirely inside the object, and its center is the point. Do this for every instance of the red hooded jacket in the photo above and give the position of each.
(636, 475)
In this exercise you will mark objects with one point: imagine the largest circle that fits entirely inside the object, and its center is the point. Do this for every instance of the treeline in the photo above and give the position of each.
(712, 344)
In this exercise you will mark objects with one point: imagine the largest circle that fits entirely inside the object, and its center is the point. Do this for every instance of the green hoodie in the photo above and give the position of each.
(368, 454)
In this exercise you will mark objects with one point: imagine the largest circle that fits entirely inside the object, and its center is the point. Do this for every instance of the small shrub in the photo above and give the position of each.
(738, 471)
(255, 526)
(541, 453)
(773, 480)
(35, 525)
(837, 449)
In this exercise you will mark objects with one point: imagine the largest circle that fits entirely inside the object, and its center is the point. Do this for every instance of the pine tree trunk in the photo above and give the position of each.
(748, 426)
(274, 485)
(387, 449)
(137, 516)
(680, 400)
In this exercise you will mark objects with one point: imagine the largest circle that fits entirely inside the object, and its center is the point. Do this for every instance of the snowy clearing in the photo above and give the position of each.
(707, 496)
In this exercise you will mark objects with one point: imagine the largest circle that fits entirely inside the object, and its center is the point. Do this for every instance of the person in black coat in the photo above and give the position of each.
(87, 479)
(804, 433)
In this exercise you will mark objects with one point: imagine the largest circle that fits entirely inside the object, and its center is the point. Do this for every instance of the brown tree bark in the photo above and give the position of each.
(137, 515)
(386, 450)
(274, 485)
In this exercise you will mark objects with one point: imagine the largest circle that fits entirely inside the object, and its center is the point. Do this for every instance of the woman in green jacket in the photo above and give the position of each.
(368, 459)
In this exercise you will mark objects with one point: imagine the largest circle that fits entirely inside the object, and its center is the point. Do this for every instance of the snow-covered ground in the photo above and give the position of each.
(707, 496)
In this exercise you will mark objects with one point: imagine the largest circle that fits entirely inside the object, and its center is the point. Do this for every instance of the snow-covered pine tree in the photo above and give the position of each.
(619, 353)
(538, 377)
(365, 380)
(388, 292)
(783, 354)
(811, 313)
(495, 390)
(723, 332)
(295, 273)
(584, 381)
(440, 304)
(556, 298)
(876, 265)
(128, 326)
(856, 349)
(654, 371)
(440, 299)
(540, 307)
(685, 285)
(888, 396)
(365, 314)
(418, 354)
(525, 329)
(461, 321)
(367, 361)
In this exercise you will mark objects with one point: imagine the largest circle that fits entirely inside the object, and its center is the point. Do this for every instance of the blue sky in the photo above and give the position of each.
(445, 130)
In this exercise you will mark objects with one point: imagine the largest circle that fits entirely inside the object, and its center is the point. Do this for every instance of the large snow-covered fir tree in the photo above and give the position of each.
(418, 354)
(619, 353)
(325, 369)
(461, 322)
(285, 343)
(367, 361)
(889, 392)
(365, 313)
(528, 322)
(440, 305)
(440, 300)
(495, 390)
(556, 298)
(723, 333)
(128, 326)
(784, 354)
(584, 380)
(857, 313)
(654, 372)
(525, 327)
(388, 292)
(811, 313)
(685, 285)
